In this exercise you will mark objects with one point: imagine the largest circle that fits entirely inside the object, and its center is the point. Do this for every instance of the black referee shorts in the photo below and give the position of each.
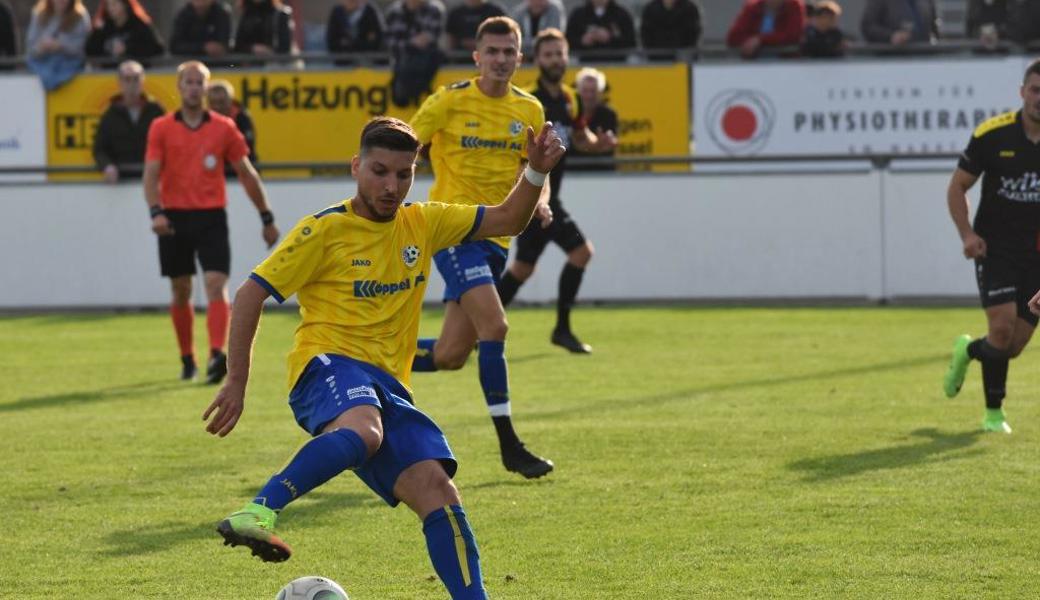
(1004, 278)
(563, 231)
(195, 232)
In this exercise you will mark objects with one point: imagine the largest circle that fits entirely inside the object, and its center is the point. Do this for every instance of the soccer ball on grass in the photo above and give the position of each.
(312, 588)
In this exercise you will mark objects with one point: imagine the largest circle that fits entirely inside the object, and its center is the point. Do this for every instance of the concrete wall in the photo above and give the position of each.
(865, 235)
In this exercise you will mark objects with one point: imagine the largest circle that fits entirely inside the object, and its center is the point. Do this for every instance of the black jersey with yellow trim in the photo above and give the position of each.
(1008, 216)
(563, 111)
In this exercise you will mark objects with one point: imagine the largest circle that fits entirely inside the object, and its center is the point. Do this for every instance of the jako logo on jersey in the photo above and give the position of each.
(410, 256)
(740, 121)
(361, 262)
(516, 127)
(371, 289)
(472, 141)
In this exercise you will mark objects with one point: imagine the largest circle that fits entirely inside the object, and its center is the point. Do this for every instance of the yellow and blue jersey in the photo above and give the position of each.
(478, 142)
(360, 283)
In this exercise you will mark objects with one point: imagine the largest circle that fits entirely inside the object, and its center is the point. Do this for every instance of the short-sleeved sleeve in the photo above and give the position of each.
(973, 159)
(236, 147)
(431, 116)
(294, 261)
(154, 149)
(451, 224)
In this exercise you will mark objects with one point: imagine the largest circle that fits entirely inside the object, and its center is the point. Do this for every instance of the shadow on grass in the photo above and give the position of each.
(514, 481)
(84, 396)
(935, 447)
(152, 538)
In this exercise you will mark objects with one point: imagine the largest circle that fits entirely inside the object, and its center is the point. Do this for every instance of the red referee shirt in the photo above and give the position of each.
(192, 160)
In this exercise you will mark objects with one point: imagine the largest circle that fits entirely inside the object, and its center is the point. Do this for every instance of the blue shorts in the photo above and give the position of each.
(332, 384)
(468, 265)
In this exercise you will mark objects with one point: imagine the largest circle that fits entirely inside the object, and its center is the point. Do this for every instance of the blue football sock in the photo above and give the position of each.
(316, 462)
(494, 378)
(454, 553)
(423, 361)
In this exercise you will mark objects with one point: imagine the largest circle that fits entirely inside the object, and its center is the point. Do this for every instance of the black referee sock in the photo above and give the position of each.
(507, 287)
(570, 281)
(994, 370)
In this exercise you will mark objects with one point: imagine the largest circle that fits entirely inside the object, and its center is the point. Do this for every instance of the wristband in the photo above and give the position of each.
(156, 210)
(534, 177)
(266, 217)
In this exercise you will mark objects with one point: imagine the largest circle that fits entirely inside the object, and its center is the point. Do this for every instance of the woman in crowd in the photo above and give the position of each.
(123, 30)
(54, 43)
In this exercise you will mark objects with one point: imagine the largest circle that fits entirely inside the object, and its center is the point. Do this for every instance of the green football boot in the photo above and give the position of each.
(995, 421)
(253, 526)
(958, 366)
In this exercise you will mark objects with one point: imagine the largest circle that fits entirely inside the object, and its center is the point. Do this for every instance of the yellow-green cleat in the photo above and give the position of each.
(253, 526)
(954, 378)
(995, 421)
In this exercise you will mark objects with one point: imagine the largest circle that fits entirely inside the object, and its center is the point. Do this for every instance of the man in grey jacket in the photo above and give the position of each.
(900, 22)
(536, 15)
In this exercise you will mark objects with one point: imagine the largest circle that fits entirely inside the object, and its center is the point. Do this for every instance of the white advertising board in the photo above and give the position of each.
(895, 106)
(22, 127)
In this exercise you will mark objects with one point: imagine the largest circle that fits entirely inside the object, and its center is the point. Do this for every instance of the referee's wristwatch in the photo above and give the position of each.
(266, 217)
(156, 210)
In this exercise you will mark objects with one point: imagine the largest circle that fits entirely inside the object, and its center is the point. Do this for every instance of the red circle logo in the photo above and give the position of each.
(739, 123)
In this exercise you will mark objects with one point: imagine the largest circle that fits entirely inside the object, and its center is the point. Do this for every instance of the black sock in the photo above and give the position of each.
(570, 281)
(981, 349)
(994, 370)
(507, 287)
(506, 436)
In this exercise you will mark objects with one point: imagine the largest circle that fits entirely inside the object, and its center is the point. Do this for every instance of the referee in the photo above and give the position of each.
(185, 191)
(563, 109)
(1004, 242)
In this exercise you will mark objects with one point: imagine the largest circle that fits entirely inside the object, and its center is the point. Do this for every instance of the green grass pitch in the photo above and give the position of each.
(700, 452)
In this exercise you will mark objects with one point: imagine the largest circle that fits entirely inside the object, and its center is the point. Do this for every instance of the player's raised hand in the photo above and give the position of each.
(229, 403)
(544, 150)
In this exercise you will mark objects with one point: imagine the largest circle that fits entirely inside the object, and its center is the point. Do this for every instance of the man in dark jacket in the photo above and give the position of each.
(122, 133)
(354, 26)
(764, 23)
(202, 28)
(600, 24)
(221, 98)
(670, 24)
(900, 22)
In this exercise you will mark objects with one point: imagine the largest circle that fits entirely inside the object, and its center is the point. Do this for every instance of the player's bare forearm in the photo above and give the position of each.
(957, 201)
(245, 319)
(151, 183)
(254, 187)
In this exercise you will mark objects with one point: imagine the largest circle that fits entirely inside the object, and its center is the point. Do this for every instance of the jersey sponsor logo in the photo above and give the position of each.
(361, 262)
(1007, 154)
(410, 256)
(473, 142)
(362, 391)
(1021, 189)
(477, 272)
(472, 124)
(369, 288)
(1003, 290)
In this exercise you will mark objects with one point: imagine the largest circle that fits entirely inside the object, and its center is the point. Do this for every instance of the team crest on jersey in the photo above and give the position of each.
(516, 127)
(410, 256)
(210, 162)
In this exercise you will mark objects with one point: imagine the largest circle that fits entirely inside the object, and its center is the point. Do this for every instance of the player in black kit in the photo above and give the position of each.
(1004, 242)
(563, 109)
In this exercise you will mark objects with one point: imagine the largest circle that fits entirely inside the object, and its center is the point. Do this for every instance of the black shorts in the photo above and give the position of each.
(563, 231)
(201, 232)
(1004, 278)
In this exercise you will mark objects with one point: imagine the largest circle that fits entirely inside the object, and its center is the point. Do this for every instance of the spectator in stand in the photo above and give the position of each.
(123, 30)
(1023, 21)
(596, 116)
(354, 26)
(220, 95)
(265, 29)
(8, 36)
(823, 37)
(122, 133)
(672, 24)
(900, 22)
(763, 24)
(464, 19)
(600, 24)
(54, 44)
(203, 29)
(413, 28)
(535, 16)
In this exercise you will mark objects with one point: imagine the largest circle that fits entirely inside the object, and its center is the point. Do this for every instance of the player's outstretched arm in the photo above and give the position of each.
(245, 317)
(513, 215)
(258, 195)
(957, 203)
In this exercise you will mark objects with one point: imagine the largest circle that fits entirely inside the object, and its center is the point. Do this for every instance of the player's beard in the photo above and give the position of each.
(552, 73)
(379, 207)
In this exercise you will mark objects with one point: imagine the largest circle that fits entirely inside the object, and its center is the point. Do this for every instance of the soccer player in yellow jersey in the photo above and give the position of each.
(359, 270)
(475, 132)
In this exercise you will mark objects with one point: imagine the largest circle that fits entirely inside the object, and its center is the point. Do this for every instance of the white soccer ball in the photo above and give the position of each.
(312, 588)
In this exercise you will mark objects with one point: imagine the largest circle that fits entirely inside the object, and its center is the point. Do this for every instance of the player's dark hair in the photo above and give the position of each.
(549, 34)
(499, 26)
(1032, 69)
(390, 134)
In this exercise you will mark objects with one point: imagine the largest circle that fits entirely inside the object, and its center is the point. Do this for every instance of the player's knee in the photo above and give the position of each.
(1000, 335)
(522, 271)
(371, 434)
(451, 358)
(180, 290)
(581, 255)
(494, 331)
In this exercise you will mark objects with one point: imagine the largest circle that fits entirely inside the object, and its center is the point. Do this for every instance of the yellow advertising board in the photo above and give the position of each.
(316, 116)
